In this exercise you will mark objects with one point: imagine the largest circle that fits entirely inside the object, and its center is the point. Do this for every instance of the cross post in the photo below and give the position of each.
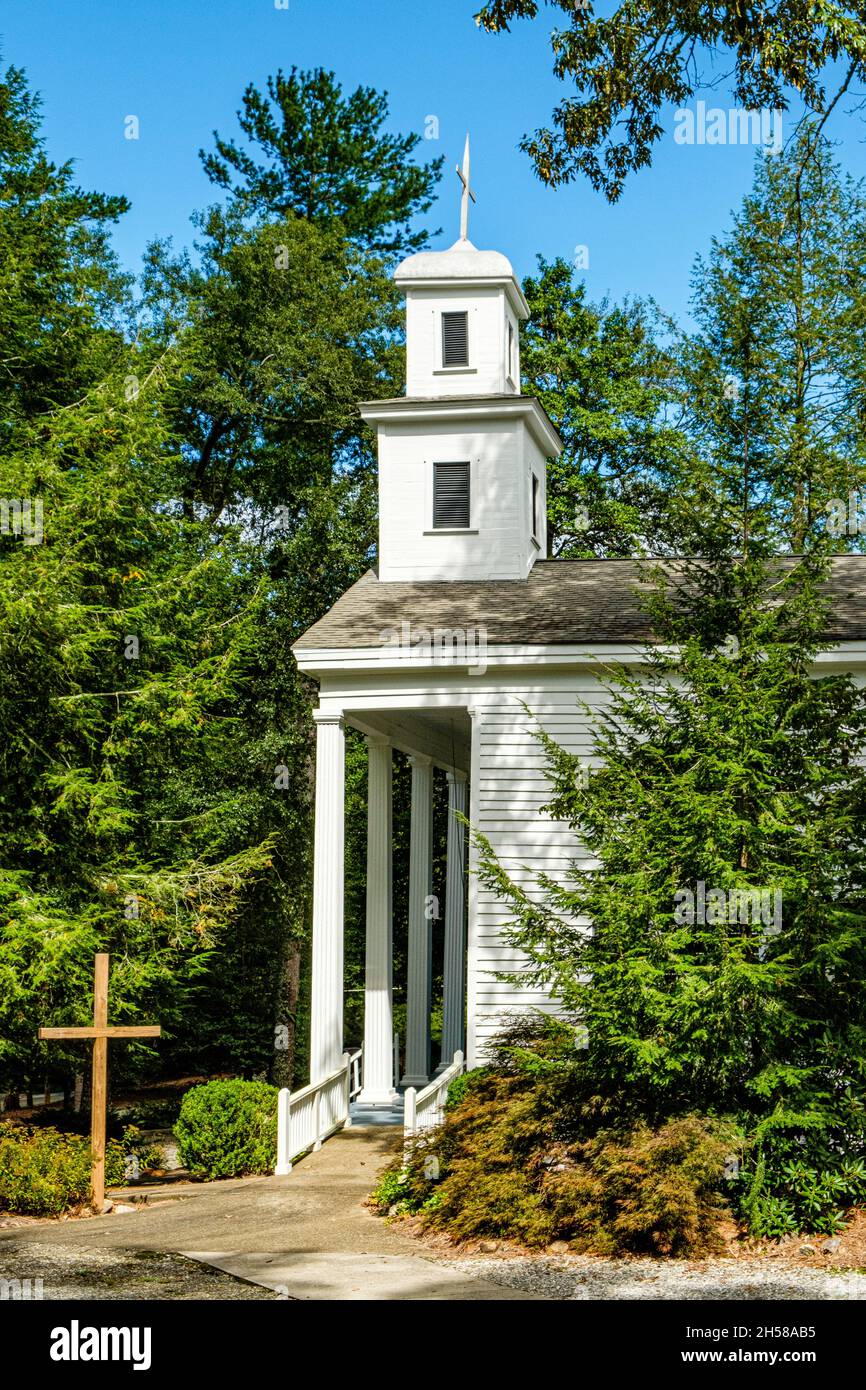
(463, 176)
(99, 1035)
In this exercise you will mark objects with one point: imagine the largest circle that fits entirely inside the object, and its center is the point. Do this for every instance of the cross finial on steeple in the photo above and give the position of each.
(463, 175)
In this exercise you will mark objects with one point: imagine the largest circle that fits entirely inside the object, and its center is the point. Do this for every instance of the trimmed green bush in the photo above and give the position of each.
(228, 1128)
(44, 1172)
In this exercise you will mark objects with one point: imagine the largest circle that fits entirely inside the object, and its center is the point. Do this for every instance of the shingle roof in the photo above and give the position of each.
(562, 602)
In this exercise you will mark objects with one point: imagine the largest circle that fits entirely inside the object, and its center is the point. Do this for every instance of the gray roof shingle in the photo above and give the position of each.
(561, 602)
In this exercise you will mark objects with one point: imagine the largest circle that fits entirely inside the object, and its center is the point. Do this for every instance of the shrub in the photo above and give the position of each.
(149, 1152)
(391, 1192)
(800, 1187)
(484, 1153)
(645, 1191)
(228, 1128)
(461, 1085)
(44, 1172)
(512, 1167)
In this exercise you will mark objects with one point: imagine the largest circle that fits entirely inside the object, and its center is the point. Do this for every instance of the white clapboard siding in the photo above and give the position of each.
(485, 370)
(511, 788)
(409, 546)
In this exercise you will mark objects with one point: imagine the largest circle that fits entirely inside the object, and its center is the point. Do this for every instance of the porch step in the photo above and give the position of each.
(376, 1114)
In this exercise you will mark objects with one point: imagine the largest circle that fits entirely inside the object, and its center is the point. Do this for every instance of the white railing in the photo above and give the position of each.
(355, 1081)
(306, 1118)
(425, 1109)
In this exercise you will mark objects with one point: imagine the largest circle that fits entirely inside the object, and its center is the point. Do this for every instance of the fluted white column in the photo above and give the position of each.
(454, 974)
(378, 993)
(326, 1024)
(419, 983)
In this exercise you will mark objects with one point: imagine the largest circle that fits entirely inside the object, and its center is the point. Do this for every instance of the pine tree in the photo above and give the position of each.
(63, 300)
(607, 382)
(324, 157)
(720, 960)
(775, 380)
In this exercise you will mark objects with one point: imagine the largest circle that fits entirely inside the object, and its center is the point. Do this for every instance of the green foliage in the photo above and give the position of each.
(773, 380)
(326, 158)
(607, 382)
(62, 297)
(44, 1172)
(781, 1194)
(628, 66)
(390, 1194)
(462, 1085)
(728, 764)
(228, 1128)
(149, 1153)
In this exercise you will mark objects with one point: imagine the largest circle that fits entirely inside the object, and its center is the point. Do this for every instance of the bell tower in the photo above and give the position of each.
(463, 455)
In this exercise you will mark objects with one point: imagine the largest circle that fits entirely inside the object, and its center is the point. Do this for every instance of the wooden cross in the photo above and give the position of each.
(99, 1035)
(463, 176)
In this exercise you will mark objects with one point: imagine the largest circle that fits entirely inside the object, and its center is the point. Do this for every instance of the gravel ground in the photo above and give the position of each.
(68, 1272)
(583, 1277)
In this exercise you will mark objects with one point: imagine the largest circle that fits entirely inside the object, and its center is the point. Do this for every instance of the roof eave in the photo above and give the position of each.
(446, 282)
(414, 408)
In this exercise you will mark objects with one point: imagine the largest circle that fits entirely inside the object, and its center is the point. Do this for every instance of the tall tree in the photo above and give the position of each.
(607, 383)
(62, 299)
(628, 66)
(126, 637)
(278, 329)
(286, 319)
(327, 158)
(775, 380)
(122, 649)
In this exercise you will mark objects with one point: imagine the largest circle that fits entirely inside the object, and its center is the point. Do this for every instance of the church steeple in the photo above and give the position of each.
(463, 312)
(462, 457)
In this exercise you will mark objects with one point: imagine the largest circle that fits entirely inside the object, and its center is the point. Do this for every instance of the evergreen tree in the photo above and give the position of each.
(775, 379)
(278, 329)
(63, 301)
(322, 156)
(609, 387)
(715, 955)
(123, 646)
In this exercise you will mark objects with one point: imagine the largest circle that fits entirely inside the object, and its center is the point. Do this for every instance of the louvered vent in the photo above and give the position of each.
(455, 340)
(450, 496)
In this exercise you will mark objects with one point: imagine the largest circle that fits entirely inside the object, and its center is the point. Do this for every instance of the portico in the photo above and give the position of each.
(432, 740)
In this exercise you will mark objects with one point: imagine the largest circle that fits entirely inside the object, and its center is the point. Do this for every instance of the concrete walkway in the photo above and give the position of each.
(305, 1236)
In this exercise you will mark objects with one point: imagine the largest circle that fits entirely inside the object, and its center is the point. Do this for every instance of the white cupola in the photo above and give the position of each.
(463, 455)
(463, 312)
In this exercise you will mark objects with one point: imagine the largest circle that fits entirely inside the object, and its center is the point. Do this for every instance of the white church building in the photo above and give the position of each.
(464, 640)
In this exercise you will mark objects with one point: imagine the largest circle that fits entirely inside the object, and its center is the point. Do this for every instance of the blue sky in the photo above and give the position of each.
(181, 66)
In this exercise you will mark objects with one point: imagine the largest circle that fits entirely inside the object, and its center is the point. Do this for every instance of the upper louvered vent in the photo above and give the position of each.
(450, 496)
(455, 339)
